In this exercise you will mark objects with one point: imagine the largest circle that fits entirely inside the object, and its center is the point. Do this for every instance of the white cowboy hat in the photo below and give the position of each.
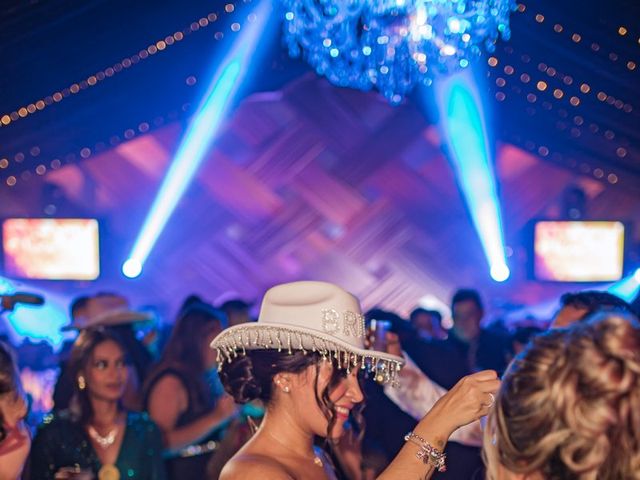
(309, 316)
(106, 310)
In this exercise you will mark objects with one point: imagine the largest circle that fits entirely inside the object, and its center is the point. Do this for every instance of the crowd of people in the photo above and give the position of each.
(309, 391)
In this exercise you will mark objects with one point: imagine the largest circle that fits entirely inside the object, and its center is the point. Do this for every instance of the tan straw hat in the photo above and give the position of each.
(310, 317)
(106, 310)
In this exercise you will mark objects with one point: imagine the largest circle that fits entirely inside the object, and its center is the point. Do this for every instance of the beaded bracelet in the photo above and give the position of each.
(427, 453)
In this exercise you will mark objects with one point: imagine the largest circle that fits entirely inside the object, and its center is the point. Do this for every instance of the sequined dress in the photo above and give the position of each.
(61, 442)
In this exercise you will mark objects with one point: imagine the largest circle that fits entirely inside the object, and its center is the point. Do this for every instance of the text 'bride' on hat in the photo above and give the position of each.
(310, 317)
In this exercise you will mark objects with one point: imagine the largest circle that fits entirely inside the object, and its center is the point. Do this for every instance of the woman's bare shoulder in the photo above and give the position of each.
(247, 466)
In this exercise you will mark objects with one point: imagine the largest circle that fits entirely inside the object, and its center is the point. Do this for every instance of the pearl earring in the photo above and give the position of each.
(286, 389)
(82, 384)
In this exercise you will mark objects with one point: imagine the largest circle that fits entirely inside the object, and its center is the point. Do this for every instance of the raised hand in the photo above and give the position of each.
(471, 398)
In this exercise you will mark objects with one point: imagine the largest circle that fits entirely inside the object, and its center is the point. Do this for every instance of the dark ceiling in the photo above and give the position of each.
(583, 117)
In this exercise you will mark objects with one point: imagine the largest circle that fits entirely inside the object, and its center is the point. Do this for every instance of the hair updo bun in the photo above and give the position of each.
(240, 381)
(569, 405)
(250, 377)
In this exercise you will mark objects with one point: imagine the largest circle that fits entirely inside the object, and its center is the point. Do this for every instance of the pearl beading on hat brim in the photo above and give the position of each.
(229, 345)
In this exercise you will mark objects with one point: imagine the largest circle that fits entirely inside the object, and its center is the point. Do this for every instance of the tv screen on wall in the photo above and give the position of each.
(579, 251)
(51, 248)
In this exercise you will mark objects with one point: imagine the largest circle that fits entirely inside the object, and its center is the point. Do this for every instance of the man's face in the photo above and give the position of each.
(466, 320)
(568, 315)
(424, 323)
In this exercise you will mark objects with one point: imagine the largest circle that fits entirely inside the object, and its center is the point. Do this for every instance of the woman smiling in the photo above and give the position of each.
(303, 359)
(96, 437)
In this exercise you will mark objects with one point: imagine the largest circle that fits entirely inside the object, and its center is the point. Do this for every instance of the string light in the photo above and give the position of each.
(557, 157)
(558, 94)
(576, 37)
(584, 87)
(93, 80)
(128, 134)
(84, 153)
(163, 44)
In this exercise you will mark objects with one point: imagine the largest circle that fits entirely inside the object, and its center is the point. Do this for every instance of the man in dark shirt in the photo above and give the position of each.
(445, 362)
(467, 349)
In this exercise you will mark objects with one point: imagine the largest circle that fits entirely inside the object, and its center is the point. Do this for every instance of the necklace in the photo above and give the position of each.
(316, 458)
(109, 472)
(106, 441)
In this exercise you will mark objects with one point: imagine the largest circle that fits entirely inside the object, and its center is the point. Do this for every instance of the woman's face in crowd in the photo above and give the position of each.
(344, 396)
(106, 372)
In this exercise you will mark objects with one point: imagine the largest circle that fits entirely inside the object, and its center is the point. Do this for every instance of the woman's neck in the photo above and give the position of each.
(105, 412)
(281, 427)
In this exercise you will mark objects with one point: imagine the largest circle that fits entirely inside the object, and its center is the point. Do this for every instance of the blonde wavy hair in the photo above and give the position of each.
(569, 405)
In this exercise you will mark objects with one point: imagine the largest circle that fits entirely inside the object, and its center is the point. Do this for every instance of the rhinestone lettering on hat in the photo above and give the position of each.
(330, 320)
(352, 323)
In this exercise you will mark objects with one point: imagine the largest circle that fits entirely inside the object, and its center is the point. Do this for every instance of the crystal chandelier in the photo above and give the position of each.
(392, 45)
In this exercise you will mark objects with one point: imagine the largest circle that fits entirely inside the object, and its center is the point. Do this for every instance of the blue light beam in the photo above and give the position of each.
(463, 127)
(627, 288)
(37, 323)
(198, 138)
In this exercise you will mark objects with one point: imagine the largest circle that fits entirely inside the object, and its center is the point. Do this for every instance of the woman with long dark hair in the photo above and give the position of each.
(14, 435)
(179, 396)
(303, 359)
(96, 437)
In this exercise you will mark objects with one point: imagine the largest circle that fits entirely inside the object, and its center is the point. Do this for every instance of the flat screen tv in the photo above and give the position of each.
(51, 248)
(578, 251)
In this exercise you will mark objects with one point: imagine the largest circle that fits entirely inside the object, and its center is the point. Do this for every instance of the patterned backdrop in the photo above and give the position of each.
(319, 183)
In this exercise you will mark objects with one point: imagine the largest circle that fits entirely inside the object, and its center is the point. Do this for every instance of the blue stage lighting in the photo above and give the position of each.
(131, 268)
(5, 286)
(37, 323)
(198, 138)
(627, 288)
(500, 272)
(463, 128)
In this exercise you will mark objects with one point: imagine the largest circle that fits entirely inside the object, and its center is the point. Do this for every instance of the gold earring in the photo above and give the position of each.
(82, 384)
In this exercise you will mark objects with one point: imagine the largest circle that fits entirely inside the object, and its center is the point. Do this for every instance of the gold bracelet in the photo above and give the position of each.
(427, 453)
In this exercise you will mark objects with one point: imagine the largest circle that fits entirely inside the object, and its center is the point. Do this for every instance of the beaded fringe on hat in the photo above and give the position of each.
(229, 344)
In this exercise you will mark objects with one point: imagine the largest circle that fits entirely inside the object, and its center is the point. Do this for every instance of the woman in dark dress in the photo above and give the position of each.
(179, 395)
(96, 437)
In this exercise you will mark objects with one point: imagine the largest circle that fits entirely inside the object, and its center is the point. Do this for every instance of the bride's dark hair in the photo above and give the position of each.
(250, 377)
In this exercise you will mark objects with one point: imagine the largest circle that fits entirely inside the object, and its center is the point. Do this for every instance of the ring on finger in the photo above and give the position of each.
(492, 401)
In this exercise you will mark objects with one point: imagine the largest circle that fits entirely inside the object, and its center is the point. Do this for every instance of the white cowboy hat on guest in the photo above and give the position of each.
(106, 310)
(309, 316)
